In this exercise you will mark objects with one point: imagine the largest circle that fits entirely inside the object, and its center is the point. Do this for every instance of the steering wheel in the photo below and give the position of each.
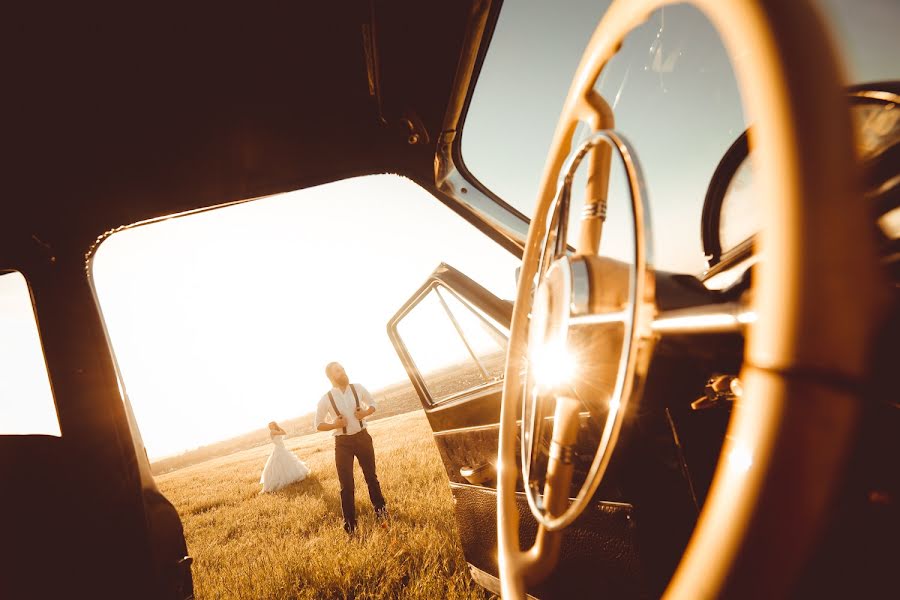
(816, 300)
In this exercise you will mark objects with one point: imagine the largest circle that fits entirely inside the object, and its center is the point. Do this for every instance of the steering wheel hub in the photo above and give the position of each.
(552, 307)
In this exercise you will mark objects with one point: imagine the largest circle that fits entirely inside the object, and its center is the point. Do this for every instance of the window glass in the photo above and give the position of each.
(673, 94)
(224, 320)
(454, 347)
(26, 400)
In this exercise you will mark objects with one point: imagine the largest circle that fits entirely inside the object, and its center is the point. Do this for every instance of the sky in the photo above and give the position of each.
(222, 321)
(23, 374)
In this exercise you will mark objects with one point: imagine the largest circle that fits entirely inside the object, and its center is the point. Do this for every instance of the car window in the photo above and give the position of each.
(673, 93)
(223, 320)
(454, 347)
(26, 399)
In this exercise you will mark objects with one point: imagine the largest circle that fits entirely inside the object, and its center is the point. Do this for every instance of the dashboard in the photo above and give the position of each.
(730, 220)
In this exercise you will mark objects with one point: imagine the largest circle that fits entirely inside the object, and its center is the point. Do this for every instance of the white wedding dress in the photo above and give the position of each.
(282, 468)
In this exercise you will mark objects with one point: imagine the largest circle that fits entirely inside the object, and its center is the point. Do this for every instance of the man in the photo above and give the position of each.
(342, 411)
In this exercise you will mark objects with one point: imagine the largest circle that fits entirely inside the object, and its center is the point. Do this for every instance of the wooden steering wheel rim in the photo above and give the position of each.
(816, 295)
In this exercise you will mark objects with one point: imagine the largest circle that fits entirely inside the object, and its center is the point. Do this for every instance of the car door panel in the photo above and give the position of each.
(598, 558)
(465, 429)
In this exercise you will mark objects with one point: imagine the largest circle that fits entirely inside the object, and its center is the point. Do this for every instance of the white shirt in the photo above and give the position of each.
(346, 404)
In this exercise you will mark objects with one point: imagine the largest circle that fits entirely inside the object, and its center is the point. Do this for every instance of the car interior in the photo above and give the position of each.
(626, 426)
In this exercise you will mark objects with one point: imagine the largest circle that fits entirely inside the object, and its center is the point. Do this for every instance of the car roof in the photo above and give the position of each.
(117, 114)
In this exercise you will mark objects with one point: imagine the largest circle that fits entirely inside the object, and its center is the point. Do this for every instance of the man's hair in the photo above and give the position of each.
(328, 368)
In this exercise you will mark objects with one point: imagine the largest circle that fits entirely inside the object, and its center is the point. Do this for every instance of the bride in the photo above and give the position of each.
(283, 467)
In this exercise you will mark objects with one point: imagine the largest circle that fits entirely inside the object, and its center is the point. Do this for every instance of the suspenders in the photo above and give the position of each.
(337, 413)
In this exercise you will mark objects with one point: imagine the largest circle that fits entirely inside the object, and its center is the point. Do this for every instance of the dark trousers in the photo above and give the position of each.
(345, 448)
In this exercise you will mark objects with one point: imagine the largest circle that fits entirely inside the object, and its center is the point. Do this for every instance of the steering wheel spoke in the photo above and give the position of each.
(604, 318)
(725, 317)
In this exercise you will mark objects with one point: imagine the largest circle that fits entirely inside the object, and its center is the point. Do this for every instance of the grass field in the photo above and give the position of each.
(290, 544)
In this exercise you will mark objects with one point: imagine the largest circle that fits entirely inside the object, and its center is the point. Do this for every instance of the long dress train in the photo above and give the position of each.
(282, 468)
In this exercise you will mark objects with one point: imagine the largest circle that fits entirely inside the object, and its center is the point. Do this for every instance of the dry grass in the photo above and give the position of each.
(290, 544)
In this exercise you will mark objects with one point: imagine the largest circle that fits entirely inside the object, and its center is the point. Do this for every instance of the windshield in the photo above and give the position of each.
(673, 94)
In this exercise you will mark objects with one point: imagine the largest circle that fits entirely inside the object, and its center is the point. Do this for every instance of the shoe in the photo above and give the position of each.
(349, 528)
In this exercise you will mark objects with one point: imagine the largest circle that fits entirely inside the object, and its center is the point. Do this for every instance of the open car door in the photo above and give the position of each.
(451, 337)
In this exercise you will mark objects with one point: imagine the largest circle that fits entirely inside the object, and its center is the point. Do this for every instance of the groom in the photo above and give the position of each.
(342, 411)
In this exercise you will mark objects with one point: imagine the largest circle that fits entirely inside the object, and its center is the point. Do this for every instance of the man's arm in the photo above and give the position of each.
(368, 400)
(339, 423)
(362, 413)
(322, 411)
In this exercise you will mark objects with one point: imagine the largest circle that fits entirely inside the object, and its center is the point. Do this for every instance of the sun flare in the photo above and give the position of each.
(553, 366)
